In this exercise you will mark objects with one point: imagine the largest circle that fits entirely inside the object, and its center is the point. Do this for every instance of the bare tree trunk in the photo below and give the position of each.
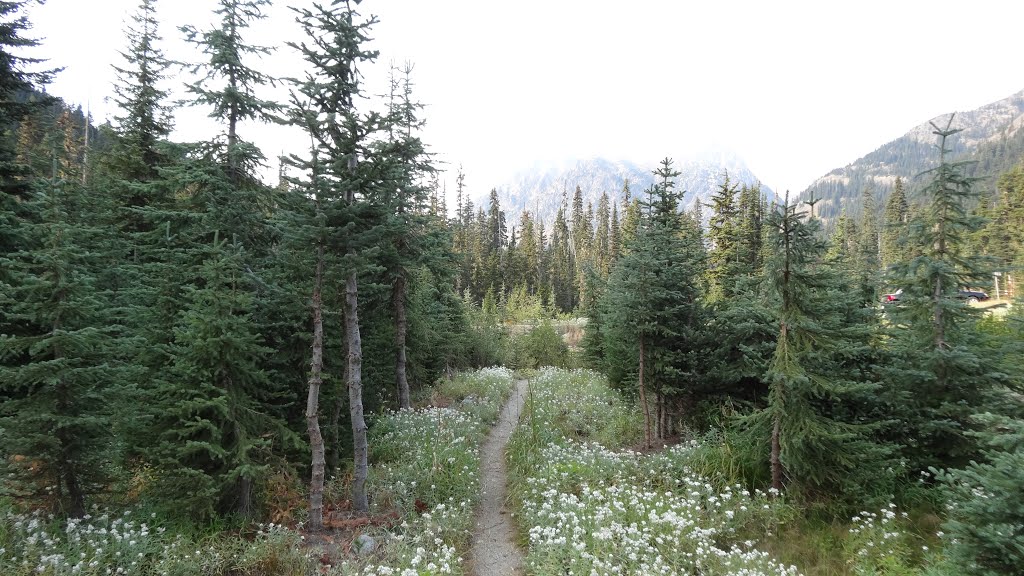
(659, 408)
(66, 472)
(334, 429)
(244, 481)
(355, 394)
(398, 292)
(776, 460)
(316, 439)
(643, 398)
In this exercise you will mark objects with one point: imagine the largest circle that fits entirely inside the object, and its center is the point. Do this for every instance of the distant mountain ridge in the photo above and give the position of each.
(991, 135)
(540, 188)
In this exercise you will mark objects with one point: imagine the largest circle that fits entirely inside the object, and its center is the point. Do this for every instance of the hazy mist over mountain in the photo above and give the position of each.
(541, 187)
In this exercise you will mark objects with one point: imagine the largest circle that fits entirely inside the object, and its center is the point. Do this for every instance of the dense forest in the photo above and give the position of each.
(179, 336)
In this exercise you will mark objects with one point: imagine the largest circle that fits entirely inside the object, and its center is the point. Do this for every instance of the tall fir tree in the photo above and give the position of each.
(650, 310)
(237, 202)
(144, 119)
(215, 425)
(894, 221)
(868, 262)
(723, 237)
(350, 203)
(812, 445)
(944, 376)
(59, 374)
(410, 241)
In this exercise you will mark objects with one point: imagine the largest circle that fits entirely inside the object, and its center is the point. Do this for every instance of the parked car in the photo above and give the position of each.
(892, 297)
(972, 296)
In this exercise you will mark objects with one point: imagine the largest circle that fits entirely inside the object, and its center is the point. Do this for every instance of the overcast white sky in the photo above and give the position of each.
(795, 88)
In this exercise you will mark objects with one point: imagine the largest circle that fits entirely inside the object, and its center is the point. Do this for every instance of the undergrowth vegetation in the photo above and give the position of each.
(590, 504)
(425, 478)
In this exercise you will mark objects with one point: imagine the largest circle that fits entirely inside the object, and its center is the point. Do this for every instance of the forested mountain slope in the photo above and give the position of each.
(991, 135)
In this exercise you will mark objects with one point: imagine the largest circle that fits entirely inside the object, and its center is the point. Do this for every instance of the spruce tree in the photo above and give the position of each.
(58, 372)
(894, 222)
(723, 237)
(650, 308)
(812, 445)
(952, 376)
(341, 134)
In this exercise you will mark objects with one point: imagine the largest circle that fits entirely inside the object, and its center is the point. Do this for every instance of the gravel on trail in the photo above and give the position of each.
(493, 550)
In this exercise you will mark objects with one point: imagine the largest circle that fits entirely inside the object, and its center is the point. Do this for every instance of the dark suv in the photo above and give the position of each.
(972, 296)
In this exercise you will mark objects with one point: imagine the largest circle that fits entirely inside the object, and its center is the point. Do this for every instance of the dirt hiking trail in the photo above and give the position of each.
(493, 550)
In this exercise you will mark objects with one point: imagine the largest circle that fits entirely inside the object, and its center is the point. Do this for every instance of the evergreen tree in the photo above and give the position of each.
(867, 260)
(228, 86)
(602, 236)
(893, 248)
(530, 252)
(614, 238)
(15, 171)
(983, 530)
(144, 119)
(341, 136)
(630, 218)
(410, 240)
(812, 445)
(563, 265)
(1004, 243)
(723, 237)
(58, 374)
(952, 377)
(215, 424)
(749, 228)
(650, 308)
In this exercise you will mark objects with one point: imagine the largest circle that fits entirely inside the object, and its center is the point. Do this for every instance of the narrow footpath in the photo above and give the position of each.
(493, 550)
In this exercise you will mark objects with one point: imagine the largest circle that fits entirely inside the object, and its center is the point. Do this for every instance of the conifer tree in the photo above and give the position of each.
(614, 237)
(15, 173)
(341, 135)
(563, 264)
(410, 241)
(144, 119)
(867, 259)
(215, 422)
(894, 225)
(952, 378)
(650, 307)
(811, 444)
(602, 236)
(147, 267)
(530, 251)
(749, 228)
(723, 236)
(228, 85)
(630, 218)
(58, 371)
